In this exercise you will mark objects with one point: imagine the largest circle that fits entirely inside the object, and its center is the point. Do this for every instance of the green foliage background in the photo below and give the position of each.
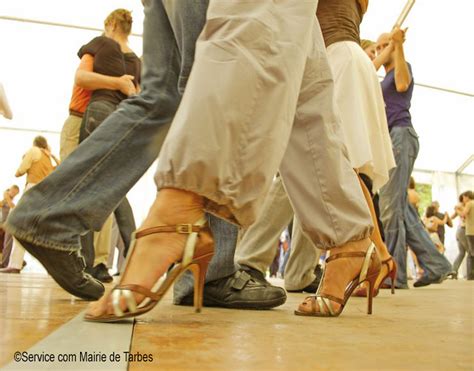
(424, 190)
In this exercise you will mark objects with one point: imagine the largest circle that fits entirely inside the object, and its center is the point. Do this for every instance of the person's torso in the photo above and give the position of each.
(39, 169)
(397, 105)
(111, 61)
(339, 20)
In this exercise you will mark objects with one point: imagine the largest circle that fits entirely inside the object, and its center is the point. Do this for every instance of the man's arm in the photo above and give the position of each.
(383, 57)
(5, 109)
(89, 80)
(449, 221)
(402, 73)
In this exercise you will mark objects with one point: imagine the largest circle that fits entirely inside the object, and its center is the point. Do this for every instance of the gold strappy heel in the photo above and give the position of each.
(369, 272)
(391, 273)
(196, 258)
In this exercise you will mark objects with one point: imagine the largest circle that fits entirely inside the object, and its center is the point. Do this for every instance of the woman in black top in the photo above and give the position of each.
(112, 57)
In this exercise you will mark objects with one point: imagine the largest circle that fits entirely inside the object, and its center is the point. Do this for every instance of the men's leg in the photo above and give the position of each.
(16, 257)
(304, 257)
(78, 195)
(2, 239)
(257, 247)
(226, 285)
(462, 247)
(102, 241)
(470, 257)
(322, 186)
(434, 264)
(394, 200)
(69, 139)
(7, 249)
(222, 167)
(222, 263)
(114, 241)
(125, 222)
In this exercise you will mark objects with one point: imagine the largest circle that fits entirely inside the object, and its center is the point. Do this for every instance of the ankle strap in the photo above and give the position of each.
(354, 254)
(357, 254)
(178, 228)
(191, 230)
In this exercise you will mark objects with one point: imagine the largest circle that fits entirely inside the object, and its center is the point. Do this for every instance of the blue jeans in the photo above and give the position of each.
(79, 195)
(401, 222)
(96, 113)
(222, 263)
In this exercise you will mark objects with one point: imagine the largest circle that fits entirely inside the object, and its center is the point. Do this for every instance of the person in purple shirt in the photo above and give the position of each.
(401, 222)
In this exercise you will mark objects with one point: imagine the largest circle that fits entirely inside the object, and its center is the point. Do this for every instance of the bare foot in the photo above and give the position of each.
(338, 273)
(153, 254)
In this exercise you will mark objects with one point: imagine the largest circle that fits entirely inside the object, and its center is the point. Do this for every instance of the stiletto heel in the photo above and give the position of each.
(196, 257)
(391, 273)
(370, 293)
(199, 270)
(368, 273)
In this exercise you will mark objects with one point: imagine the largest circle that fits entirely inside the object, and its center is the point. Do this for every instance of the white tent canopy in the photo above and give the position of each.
(39, 61)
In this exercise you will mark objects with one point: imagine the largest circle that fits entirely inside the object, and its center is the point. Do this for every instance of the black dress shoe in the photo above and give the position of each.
(240, 291)
(453, 275)
(425, 281)
(313, 286)
(67, 269)
(100, 272)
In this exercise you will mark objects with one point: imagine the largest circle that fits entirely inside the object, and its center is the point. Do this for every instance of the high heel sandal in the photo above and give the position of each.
(196, 258)
(369, 272)
(391, 273)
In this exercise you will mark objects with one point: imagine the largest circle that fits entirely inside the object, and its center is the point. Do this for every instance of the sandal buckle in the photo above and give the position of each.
(184, 228)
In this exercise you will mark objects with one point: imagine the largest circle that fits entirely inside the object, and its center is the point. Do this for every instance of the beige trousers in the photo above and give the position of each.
(102, 242)
(260, 97)
(69, 139)
(257, 246)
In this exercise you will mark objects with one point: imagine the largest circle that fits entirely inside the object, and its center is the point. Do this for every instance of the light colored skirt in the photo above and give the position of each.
(360, 103)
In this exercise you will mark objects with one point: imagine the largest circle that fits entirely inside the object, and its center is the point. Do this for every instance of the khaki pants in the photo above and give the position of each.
(18, 252)
(102, 242)
(257, 247)
(69, 136)
(271, 107)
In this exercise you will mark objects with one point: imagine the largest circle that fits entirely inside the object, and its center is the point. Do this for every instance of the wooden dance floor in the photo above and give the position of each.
(418, 329)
